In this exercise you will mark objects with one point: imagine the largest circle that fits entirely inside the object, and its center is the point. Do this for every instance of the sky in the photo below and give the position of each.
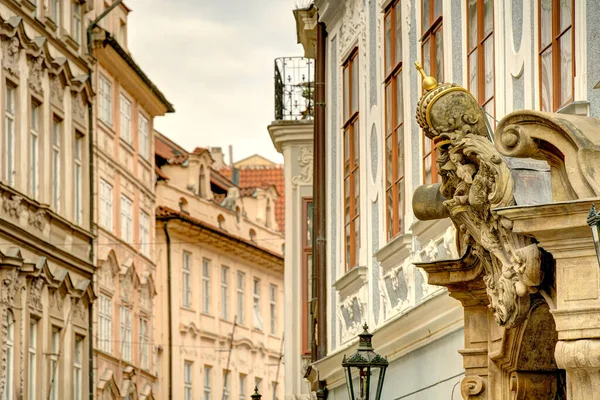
(213, 60)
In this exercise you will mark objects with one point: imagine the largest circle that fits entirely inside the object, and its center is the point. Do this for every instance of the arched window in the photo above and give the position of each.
(238, 213)
(202, 183)
(268, 219)
(10, 355)
(221, 221)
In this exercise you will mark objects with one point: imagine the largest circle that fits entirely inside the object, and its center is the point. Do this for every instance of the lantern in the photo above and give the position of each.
(593, 221)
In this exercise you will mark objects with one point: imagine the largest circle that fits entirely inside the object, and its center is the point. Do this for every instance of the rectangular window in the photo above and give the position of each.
(54, 357)
(186, 279)
(106, 199)
(144, 345)
(78, 166)
(556, 49)
(273, 308)
(125, 119)
(144, 234)
(55, 12)
(77, 11)
(56, 163)
(394, 122)
(242, 385)
(32, 367)
(240, 297)
(225, 385)
(351, 162)
(274, 389)
(126, 220)
(34, 150)
(126, 333)
(258, 322)
(205, 285)
(104, 323)
(224, 292)
(105, 101)
(78, 369)
(143, 136)
(432, 53)
(258, 383)
(480, 52)
(307, 229)
(207, 380)
(9, 345)
(187, 380)
(9, 134)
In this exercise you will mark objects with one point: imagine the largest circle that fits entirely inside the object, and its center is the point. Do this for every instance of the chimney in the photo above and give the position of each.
(218, 156)
(231, 155)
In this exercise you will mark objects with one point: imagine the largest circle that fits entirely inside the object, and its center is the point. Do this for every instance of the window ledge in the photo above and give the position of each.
(576, 108)
(352, 279)
(396, 251)
(190, 309)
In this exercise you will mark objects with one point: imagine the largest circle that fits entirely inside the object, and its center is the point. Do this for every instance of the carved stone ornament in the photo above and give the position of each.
(79, 108)
(13, 205)
(34, 299)
(305, 161)
(36, 74)
(10, 54)
(475, 180)
(78, 310)
(38, 219)
(353, 27)
(56, 301)
(57, 89)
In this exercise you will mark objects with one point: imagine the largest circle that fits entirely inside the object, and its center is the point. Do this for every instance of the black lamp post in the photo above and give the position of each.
(593, 221)
(364, 360)
(256, 395)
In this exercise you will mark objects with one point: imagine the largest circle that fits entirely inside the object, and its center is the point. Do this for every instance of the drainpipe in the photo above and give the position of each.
(319, 284)
(92, 25)
(169, 303)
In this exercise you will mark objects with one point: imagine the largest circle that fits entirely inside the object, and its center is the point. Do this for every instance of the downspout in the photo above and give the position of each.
(169, 302)
(92, 25)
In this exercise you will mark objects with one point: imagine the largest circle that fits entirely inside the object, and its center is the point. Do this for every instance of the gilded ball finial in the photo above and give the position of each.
(429, 82)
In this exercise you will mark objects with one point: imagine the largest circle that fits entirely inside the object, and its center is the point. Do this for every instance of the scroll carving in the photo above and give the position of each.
(475, 180)
(471, 385)
(305, 161)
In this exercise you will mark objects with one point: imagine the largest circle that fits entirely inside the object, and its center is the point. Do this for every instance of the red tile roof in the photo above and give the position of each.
(169, 151)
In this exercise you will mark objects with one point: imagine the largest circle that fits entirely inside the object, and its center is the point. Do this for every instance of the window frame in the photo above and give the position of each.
(54, 366)
(307, 209)
(125, 322)
(144, 344)
(206, 266)
(143, 136)
(186, 279)
(76, 21)
(125, 108)
(144, 233)
(273, 308)
(10, 131)
(241, 279)
(188, 388)
(78, 171)
(105, 323)
(32, 359)
(126, 219)
(207, 382)
(57, 137)
(10, 356)
(34, 147)
(78, 363)
(257, 319)
(106, 216)
(105, 100)
(224, 292)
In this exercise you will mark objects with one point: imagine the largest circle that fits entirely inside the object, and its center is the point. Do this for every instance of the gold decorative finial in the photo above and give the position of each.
(429, 82)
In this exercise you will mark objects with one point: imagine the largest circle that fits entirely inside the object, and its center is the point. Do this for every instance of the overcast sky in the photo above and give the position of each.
(213, 59)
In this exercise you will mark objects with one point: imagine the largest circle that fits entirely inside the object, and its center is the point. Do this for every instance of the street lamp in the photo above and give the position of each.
(593, 221)
(256, 395)
(364, 360)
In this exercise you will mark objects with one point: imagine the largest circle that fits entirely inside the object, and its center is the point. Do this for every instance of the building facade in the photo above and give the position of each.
(376, 155)
(219, 281)
(45, 221)
(127, 103)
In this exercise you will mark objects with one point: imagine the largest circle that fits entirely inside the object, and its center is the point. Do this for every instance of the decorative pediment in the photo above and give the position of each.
(189, 329)
(146, 393)
(107, 385)
(109, 268)
(129, 279)
(147, 290)
(129, 390)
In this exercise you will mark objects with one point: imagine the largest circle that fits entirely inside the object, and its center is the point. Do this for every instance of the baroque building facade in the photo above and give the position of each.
(508, 56)
(219, 280)
(45, 222)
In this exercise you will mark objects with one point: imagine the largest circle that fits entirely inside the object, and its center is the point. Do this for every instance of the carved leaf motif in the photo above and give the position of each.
(35, 294)
(13, 205)
(36, 74)
(10, 55)
(305, 161)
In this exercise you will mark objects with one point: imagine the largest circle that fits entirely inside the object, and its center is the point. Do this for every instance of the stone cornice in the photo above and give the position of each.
(291, 133)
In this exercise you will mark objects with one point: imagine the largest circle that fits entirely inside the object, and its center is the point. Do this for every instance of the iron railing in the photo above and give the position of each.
(294, 88)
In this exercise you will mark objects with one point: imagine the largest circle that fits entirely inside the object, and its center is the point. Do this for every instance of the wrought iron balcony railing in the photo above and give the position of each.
(294, 88)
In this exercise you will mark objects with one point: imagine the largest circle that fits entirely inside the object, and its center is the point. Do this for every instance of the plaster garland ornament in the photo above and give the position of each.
(13, 205)
(34, 299)
(305, 161)
(57, 90)
(10, 55)
(36, 73)
(353, 27)
(8, 285)
(79, 108)
(38, 219)
(475, 180)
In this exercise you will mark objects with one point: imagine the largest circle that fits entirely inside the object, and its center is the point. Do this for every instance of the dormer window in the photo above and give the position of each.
(202, 182)
(268, 219)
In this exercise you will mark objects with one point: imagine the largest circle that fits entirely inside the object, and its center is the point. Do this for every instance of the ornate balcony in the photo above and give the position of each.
(294, 88)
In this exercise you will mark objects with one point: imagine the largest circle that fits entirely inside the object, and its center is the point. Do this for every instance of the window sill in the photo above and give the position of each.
(108, 126)
(190, 309)
(576, 108)
(204, 314)
(352, 280)
(395, 251)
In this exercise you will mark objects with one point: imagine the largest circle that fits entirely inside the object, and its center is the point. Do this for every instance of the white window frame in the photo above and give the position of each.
(240, 297)
(57, 125)
(55, 12)
(125, 333)
(258, 322)
(10, 357)
(34, 150)
(78, 368)
(77, 18)
(105, 323)
(32, 366)
(224, 292)
(126, 219)
(105, 100)
(145, 233)
(188, 368)
(143, 134)
(125, 128)
(54, 366)
(106, 200)
(10, 112)
(273, 308)
(78, 177)
(186, 279)
(144, 341)
(225, 385)
(242, 387)
(207, 379)
(206, 285)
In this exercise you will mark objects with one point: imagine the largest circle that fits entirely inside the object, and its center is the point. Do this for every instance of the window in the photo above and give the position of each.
(187, 380)
(105, 101)
(34, 150)
(556, 49)
(56, 167)
(274, 389)
(351, 161)
(242, 385)
(77, 9)
(104, 323)
(78, 369)
(394, 122)
(307, 229)
(54, 357)
(78, 178)
(144, 233)
(225, 385)
(224, 292)
(186, 279)
(269, 222)
(122, 33)
(106, 199)
(207, 373)
(144, 347)
(240, 297)
(480, 52)
(432, 53)
(126, 333)
(273, 307)
(126, 220)
(125, 119)
(258, 322)
(9, 135)
(32, 368)
(55, 12)
(143, 136)
(9, 345)
(202, 183)
(257, 383)
(205, 285)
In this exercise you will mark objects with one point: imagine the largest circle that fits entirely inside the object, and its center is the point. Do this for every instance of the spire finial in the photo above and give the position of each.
(429, 82)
